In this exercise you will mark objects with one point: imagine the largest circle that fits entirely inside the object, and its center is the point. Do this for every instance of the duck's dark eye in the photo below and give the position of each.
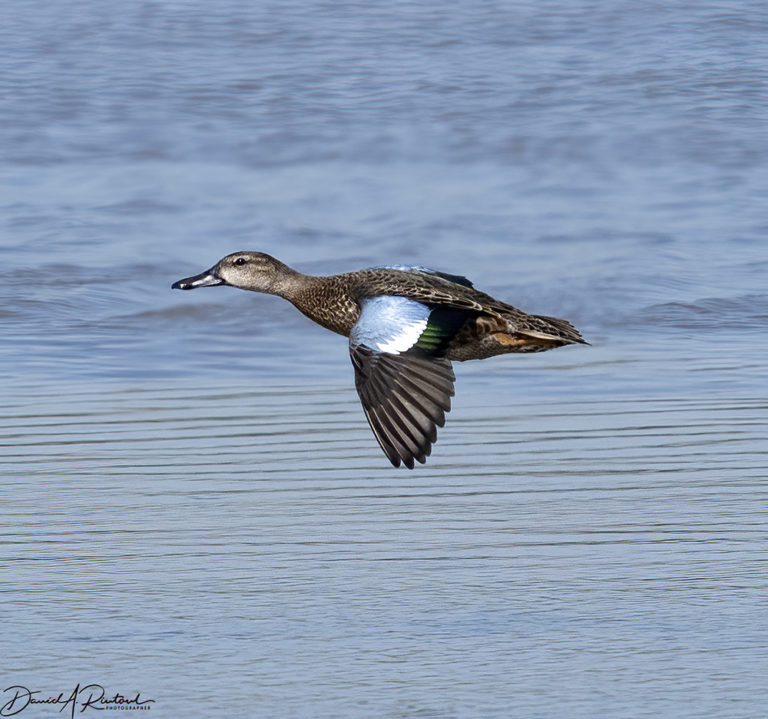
(240, 261)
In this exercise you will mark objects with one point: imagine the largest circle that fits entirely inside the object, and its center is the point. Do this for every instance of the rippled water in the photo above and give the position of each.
(193, 505)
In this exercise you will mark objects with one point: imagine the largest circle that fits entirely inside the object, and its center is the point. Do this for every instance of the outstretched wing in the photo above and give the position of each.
(405, 388)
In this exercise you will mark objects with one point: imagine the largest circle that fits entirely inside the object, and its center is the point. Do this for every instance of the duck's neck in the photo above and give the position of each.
(291, 283)
(329, 301)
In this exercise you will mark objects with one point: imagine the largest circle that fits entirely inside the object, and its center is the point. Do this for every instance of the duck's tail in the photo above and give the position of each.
(553, 330)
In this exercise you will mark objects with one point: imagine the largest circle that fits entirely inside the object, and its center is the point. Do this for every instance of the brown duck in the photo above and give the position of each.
(405, 326)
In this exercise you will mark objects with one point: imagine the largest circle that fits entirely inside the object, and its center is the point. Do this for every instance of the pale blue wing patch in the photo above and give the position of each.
(458, 279)
(406, 268)
(389, 324)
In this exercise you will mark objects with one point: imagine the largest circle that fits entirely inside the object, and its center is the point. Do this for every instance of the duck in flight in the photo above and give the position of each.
(405, 327)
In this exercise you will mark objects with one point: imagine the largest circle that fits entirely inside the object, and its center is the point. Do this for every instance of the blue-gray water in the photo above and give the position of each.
(192, 504)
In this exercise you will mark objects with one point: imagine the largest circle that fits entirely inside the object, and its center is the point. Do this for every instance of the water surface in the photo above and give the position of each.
(193, 505)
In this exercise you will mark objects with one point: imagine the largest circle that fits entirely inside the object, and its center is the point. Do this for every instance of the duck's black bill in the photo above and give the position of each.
(205, 279)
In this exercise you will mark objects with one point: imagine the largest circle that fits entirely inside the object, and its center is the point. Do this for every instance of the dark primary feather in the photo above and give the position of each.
(458, 279)
(405, 398)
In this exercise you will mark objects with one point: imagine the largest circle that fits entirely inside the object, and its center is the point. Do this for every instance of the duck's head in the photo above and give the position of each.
(254, 271)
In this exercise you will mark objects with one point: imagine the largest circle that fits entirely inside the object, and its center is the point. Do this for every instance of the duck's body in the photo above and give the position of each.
(406, 325)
